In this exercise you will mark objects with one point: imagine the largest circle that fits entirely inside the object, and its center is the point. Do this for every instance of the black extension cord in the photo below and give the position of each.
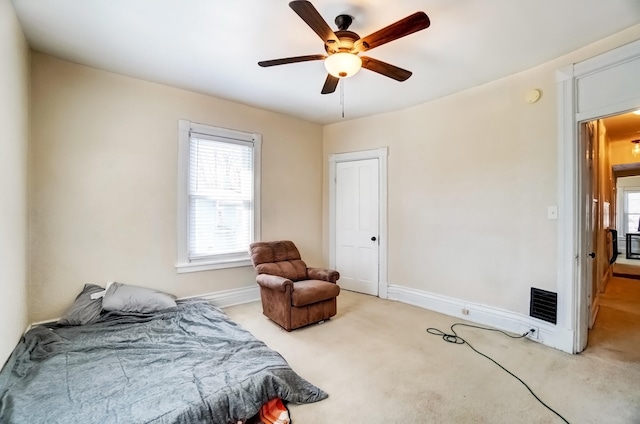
(454, 338)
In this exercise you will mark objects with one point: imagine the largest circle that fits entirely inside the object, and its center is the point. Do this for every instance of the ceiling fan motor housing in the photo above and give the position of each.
(347, 41)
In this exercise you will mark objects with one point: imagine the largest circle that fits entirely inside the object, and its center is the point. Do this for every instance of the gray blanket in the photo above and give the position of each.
(189, 365)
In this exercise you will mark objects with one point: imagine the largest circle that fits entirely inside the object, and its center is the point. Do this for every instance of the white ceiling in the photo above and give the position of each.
(213, 46)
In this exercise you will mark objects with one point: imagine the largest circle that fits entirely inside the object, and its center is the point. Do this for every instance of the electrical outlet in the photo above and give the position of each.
(526, 327)
(465, 311)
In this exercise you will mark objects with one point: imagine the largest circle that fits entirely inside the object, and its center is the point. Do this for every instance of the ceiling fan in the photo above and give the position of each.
(344, 46)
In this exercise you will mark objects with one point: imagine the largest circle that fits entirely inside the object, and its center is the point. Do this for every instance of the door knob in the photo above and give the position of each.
(592, 254)
(373, 238)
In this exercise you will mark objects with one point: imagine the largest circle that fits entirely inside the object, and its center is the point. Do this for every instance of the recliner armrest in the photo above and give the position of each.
(273, 282)
(323, 274)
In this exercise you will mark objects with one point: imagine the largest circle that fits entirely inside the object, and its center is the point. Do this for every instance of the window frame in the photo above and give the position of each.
(625, 209)
(185, 128)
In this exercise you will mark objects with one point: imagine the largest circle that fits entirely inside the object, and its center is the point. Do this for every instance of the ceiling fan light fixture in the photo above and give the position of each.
(342, 64)
(635, 150)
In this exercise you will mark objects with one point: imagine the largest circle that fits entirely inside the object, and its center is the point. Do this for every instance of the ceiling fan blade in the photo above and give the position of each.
(312, 17)
(284, 61)
(385, 69)
(412, 23)
(330, 84)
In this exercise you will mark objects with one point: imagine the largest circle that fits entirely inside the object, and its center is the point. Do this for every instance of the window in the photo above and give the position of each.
(218, 196)
(631, 214)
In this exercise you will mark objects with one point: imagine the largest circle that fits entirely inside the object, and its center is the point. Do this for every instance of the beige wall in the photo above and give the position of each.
(104, 164)
(14, 114)
(470, 177)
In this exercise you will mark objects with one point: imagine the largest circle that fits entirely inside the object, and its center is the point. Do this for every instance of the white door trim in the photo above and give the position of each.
(584, 95)
(380, 154)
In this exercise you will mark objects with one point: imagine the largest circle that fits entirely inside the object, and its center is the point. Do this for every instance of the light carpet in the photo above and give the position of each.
(379, 365)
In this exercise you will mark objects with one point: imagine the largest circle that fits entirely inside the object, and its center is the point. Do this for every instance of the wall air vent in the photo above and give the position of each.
(544, 305)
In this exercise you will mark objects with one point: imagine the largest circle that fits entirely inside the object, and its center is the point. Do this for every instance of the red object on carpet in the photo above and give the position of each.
(274, 412)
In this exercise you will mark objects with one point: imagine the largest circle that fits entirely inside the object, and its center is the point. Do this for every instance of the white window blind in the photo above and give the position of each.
(218, 199)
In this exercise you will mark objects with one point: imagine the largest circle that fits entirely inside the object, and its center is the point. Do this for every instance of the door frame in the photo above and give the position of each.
(586, 91)
(380, 154)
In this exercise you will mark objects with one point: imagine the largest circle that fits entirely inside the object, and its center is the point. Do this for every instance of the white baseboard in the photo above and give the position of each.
(513, 322)
(225, 298)
(221, 299)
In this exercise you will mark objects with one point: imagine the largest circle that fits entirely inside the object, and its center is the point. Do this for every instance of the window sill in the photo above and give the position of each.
(211, 265)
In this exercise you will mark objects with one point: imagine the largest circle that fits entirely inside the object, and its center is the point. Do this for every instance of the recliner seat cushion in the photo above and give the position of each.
(312, 291)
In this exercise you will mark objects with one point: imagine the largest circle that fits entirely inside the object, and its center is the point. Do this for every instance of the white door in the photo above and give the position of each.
(586, 251)
(357, 225)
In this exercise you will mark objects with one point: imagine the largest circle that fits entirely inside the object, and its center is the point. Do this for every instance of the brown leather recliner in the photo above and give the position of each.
(292, 294)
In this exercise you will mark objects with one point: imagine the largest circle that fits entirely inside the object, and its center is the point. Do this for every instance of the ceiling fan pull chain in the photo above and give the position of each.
(342, 95)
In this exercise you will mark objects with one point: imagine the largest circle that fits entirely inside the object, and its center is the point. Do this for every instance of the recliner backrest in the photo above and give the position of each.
(280, 258)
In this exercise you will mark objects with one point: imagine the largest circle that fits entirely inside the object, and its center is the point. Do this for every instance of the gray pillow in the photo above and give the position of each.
(128, 298)
(84, 310)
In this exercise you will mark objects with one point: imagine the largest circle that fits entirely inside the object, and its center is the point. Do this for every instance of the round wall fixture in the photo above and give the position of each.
(533, 96)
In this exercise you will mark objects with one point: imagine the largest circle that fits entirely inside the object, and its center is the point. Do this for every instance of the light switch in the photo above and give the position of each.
(552, 212)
